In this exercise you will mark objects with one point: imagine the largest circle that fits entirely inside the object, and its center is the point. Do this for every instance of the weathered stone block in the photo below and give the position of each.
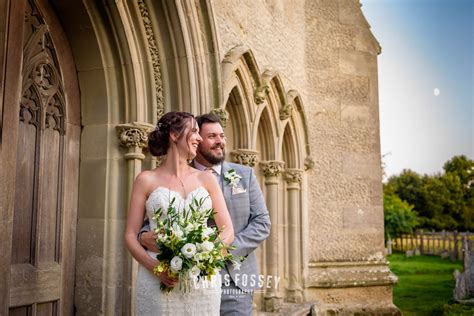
(362, 165)
(363, 218)
(93, 179)
(357, 63)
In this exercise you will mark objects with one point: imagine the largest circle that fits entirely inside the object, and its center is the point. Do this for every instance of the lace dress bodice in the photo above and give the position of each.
(149, 299)
(162, 197)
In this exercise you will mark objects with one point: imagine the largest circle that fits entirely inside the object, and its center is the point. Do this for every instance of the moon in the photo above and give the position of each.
(436, 91)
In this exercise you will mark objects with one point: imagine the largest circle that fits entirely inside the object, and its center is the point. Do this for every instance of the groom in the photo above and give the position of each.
(247, 209)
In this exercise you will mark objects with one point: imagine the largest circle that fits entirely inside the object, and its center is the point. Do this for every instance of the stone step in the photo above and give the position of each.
(290, 309)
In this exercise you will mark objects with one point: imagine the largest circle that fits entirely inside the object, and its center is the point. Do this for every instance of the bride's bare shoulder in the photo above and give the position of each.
(147, 177)
(206, 179)
(146, 174)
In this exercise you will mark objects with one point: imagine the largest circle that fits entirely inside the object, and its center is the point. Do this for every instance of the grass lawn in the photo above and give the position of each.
(425, 284)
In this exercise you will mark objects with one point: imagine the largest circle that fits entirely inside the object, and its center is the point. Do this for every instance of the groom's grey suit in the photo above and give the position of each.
(250, 218)
(251, 223)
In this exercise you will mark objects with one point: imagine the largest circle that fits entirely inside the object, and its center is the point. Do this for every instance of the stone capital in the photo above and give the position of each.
(293, 175)
(245, 157)
(134, 135)
(272, 168)
(222, 114)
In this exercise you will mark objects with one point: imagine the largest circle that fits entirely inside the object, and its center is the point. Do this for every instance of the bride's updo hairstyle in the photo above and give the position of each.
(171, 122)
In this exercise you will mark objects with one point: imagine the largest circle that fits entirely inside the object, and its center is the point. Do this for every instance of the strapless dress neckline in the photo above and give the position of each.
(176, 193)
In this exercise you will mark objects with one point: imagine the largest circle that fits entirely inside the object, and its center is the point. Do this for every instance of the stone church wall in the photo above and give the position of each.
(326, 51)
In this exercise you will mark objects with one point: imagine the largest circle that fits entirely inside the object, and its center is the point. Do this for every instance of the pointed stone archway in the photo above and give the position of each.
(135, 60)
(263, 121)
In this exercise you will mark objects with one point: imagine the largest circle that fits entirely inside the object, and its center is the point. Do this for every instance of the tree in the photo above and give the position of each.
(442, 201)
(443, 198)
(462, 167)
(408, 186)
(399, 217)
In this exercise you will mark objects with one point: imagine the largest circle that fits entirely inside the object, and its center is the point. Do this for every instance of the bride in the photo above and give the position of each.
(176, 136)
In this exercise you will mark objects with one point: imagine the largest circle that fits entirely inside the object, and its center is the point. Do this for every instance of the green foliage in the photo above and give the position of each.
(462, 167)
(442, 201)
(407, 186)
(424, 283)
(399, 217)
(453, 309)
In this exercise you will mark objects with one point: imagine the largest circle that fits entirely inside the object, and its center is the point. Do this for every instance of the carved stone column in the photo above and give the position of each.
(272, 170)
(222, 114)
(293, 179)
(244, 157)
(133, 136)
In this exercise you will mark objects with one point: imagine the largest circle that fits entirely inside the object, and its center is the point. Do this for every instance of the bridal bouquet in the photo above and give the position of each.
(188, 248)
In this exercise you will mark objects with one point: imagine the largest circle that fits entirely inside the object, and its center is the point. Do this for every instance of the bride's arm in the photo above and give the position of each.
(135, 217)
(222, 216)
(136, 214)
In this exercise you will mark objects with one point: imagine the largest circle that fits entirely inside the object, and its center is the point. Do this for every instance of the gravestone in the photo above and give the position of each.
(388, 250)
(464, 289)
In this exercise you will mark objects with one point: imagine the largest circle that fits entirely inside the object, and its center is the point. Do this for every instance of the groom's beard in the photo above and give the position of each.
(211, 157)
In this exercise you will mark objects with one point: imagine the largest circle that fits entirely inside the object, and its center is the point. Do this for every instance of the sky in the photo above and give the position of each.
(425, 81)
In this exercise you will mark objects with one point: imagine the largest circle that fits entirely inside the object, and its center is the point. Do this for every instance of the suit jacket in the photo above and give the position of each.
(251, 222)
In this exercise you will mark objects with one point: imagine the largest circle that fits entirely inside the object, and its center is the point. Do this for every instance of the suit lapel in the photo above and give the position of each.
(226, 189)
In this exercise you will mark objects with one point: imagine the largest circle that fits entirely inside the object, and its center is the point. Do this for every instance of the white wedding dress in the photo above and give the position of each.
(205, 299)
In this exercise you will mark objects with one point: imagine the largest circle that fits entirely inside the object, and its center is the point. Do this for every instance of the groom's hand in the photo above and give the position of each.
(148, 241)
(166, 280)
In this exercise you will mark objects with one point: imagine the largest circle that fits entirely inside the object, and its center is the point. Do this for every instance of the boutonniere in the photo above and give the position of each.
(231, 177)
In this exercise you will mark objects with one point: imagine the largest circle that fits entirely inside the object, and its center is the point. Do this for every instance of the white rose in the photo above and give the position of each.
(194, 272)
(207, 246)
(176, 264)
(188, 250)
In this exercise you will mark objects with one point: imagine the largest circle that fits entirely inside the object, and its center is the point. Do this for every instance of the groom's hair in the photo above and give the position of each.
(207, 118)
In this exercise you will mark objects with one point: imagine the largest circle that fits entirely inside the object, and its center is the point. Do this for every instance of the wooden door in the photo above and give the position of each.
(44, 197)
